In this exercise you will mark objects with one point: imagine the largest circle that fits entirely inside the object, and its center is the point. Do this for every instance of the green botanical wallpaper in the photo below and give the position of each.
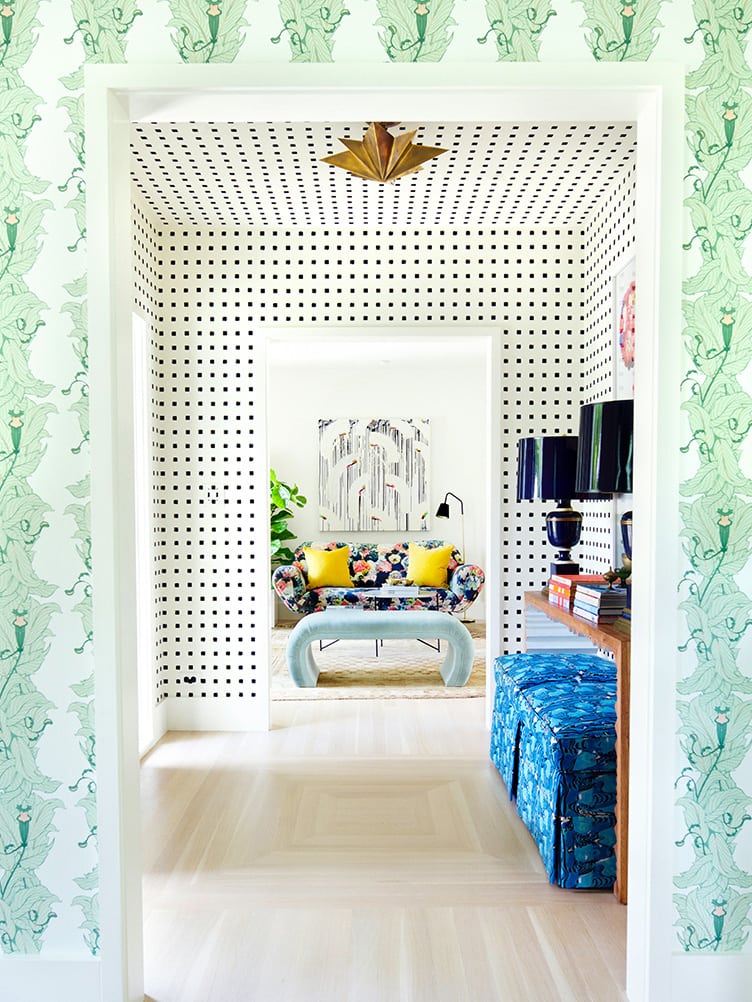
(28, 808)
(101, 29)
(516, 28)
(413, 33)
(208, 32)
(310, 29)
(622, 30)
(713, 900)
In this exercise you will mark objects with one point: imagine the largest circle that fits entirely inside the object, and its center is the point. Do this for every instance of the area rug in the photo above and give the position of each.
(404, 669)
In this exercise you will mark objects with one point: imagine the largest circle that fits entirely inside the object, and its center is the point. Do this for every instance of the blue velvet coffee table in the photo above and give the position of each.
(361, 624)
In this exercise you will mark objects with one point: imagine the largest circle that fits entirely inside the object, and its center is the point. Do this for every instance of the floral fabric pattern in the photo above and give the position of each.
(553, 742)
(371, 566)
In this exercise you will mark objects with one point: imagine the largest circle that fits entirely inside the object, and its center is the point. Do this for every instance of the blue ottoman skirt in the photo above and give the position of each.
(553, 741)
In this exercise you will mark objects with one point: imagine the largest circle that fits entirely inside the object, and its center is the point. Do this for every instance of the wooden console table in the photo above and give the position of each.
(617, 639)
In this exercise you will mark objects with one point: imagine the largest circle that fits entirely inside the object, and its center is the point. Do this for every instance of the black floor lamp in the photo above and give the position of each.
(443, 512)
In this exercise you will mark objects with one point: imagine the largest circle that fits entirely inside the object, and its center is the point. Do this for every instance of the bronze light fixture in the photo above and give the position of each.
(380, 156)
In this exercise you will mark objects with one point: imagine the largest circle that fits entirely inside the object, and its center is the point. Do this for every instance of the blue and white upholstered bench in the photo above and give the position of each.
(553, 740)
(341, 624)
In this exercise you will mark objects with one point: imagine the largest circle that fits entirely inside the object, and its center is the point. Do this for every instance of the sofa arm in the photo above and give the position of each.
(466, 582)
(290, 584)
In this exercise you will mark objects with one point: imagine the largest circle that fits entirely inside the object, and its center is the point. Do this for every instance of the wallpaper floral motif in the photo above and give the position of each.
(622, 30)
(415, 32)
(101, 29)
(208, 32)
(517, 27)
(27, 808)
(713, 899)
(310, 29)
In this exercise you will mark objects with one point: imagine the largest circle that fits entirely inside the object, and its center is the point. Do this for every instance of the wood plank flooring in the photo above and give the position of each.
(361, 851)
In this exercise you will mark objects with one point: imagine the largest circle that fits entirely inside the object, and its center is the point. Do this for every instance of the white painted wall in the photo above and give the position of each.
(385, 381)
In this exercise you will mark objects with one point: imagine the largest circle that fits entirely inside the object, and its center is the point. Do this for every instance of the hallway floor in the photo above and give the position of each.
(361, 851)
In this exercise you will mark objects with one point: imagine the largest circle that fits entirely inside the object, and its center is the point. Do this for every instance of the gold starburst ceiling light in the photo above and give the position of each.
(380, 156)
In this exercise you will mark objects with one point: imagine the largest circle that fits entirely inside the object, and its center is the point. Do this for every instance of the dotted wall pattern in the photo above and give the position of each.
(608, 242)
(271, 174)
(208, 510)
(218, 284)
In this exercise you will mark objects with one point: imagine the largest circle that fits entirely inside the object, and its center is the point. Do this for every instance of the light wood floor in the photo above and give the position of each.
(362, 851)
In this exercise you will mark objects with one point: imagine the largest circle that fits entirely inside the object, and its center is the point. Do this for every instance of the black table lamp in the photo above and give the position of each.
(604, 454)
(546, 469)
(604, 461)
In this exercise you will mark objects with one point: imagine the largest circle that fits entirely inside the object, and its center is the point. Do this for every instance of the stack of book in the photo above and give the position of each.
(597, 603)
(563, 587)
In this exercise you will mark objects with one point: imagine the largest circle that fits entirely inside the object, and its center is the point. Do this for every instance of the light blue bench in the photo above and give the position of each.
(360, 624)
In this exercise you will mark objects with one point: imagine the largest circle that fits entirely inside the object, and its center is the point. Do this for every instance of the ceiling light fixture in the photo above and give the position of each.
(380, 156)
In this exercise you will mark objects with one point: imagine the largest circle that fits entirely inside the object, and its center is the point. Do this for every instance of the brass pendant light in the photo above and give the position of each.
(380, 156)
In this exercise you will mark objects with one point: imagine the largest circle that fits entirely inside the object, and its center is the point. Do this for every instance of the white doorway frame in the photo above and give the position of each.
(486, 340)
(650, 94)
(150, 714)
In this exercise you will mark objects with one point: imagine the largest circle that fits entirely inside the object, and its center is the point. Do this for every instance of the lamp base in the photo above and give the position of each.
(563, 526)
(564, 567)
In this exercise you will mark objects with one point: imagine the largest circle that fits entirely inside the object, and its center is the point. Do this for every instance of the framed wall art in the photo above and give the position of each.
(624, 300)
(374, 474)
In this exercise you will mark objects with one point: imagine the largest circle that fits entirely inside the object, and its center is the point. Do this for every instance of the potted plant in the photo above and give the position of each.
(283, 497)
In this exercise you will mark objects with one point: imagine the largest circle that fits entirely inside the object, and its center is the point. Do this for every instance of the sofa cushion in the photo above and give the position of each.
(328, 568)
(428, 565)
(372, 564)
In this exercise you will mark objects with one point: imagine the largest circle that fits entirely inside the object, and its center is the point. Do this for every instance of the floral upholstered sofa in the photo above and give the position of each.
(371, 566)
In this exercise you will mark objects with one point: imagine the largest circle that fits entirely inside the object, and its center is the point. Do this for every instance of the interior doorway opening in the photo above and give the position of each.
(114, 97)
(402, 356)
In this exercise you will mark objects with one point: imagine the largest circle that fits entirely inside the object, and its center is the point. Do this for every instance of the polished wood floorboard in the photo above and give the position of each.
(361, 851)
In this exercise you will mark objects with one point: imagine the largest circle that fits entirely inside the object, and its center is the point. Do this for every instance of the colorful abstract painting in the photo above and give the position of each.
(373, 474)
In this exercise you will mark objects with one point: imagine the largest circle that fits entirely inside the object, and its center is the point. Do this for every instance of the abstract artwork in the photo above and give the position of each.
(373, 474)
(624, 331)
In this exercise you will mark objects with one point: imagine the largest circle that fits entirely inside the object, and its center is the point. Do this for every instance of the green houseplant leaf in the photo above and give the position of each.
(282, 498)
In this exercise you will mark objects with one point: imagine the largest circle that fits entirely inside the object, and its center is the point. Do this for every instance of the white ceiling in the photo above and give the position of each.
(502, 175)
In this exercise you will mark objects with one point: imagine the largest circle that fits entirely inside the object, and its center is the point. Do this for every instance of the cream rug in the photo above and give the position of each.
(403, 669)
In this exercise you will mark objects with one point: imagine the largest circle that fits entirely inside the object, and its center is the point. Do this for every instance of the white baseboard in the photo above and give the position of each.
(217, 714)
(711, 977)
(33, 979)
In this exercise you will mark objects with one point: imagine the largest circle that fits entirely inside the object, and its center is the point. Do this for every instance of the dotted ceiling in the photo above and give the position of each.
(244, 175)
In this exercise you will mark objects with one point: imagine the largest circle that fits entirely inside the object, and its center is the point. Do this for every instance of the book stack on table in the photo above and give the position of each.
(598, 603)
(563, 587)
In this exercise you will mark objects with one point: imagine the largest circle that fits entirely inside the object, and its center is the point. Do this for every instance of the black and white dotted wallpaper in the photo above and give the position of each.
(547, 291)
(244, 175)
(608, 242)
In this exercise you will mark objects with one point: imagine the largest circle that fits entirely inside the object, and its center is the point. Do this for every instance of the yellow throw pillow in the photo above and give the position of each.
(428, 565)
(328, 568)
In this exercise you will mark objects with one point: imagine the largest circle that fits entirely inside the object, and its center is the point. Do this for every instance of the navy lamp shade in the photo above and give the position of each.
(604, 456)
(604, 461)
(546, 468)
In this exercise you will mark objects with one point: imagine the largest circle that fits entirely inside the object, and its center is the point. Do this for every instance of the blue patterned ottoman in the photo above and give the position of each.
(553, 741)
